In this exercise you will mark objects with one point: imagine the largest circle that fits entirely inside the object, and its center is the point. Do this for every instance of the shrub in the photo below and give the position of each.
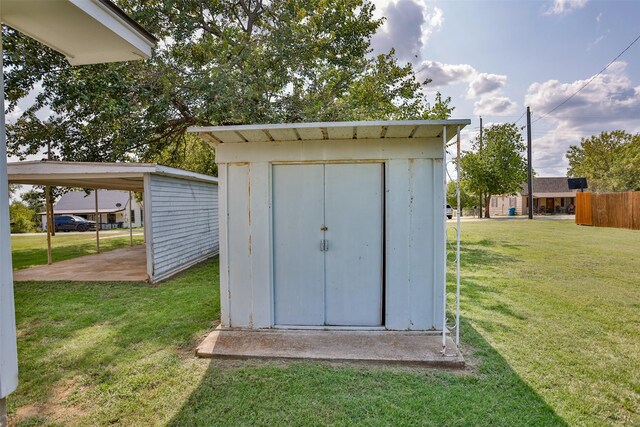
(21, 218)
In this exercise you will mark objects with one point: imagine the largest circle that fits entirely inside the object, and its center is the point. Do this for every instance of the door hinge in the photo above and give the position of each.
(324, 245)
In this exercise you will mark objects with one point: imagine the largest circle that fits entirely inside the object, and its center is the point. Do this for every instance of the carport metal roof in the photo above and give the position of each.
(109, 176)
(330, 131)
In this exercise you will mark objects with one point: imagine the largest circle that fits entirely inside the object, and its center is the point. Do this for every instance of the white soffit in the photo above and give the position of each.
(85, 31)
(331, 131)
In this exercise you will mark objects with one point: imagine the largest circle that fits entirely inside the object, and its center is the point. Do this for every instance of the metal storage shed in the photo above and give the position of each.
(333, 225)
(180, 207)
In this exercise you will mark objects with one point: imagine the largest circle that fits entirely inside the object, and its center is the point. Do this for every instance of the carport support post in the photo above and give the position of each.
(95, 190)
(47, 195)
(130, 222)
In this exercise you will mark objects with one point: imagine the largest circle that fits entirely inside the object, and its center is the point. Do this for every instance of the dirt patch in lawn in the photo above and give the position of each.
(57, 409)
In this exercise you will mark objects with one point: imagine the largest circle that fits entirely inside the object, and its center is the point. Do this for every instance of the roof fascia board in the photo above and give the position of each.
(51, 168)
(114, 22)
(128, 20)
(452, 122)
(180, 173)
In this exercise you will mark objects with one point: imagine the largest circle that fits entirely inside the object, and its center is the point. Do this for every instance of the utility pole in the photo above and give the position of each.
(529, 165)
(481, 195)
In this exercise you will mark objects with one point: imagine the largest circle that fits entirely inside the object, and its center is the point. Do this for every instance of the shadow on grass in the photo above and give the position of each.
(306, 393)
(479, 254)
(70, 330)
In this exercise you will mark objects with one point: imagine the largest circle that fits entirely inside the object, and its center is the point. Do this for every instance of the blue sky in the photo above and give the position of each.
(493, 58)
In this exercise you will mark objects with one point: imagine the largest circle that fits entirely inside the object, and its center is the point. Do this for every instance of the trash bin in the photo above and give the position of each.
(512, 211)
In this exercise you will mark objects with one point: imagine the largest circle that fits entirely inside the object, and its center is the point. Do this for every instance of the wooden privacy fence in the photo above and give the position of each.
(621, 210)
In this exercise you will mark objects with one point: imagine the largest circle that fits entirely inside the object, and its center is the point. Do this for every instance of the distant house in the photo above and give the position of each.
(113, 208)
(551, 195)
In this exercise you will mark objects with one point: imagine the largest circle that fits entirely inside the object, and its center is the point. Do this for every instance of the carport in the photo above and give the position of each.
(180, 213)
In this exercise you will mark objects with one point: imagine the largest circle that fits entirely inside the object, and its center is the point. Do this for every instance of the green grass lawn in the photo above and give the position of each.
(551, 330)
(29, 251)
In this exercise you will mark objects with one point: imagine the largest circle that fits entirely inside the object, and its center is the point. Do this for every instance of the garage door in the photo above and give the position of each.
(327, 233)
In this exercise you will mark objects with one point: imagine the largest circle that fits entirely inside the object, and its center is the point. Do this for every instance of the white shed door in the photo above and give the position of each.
(298, 263)
(338, 282)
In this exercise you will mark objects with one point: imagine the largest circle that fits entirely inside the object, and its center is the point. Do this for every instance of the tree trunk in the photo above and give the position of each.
(487, 200)
(480, 207)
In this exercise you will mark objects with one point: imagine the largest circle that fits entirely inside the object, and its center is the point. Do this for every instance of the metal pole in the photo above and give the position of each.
(3, 413)
(458, 246)
(50, 225)
(8, 343)
(97, 222)
(444, 284)
(130, 222)
(481, 195)
(529, 164)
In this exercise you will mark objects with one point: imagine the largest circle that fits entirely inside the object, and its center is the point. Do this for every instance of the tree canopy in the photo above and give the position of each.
(21, 217)
(500, 167)
(467, 200)
(218, 63)
(610, 161)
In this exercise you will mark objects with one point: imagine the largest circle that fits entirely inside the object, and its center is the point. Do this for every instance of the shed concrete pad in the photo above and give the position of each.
(119, 265)
(386, 347)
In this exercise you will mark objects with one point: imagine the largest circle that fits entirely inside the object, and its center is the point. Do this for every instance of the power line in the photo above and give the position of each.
(590, 80)
(520, 118)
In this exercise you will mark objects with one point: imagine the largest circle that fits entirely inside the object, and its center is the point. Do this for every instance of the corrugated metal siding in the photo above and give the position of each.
(414, 245)
(184, 217)
(415, 242)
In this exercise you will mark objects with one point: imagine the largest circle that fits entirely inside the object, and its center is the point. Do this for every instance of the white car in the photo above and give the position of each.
(449, 211)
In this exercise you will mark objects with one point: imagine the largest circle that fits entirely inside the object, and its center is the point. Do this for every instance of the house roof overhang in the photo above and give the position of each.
(85, 31)
(108, 176)
(539, 195)
(411, 129)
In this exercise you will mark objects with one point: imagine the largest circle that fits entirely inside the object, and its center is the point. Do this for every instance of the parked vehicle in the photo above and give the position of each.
(73, 223)
(449, 212)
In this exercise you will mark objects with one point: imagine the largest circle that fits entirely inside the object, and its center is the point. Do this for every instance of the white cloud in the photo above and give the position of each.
(408, 27)
(494, 106)
(609, 99)
(485, 88)
(599, 17)
(485, 83)
(445, 74)
(562, 7)
(433, 22)
(609, 102)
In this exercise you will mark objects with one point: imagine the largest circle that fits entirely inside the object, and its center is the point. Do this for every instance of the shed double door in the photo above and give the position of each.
(327, 234)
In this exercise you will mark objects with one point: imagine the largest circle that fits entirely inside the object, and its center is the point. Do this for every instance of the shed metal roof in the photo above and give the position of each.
(108, 176)
(330, 131)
